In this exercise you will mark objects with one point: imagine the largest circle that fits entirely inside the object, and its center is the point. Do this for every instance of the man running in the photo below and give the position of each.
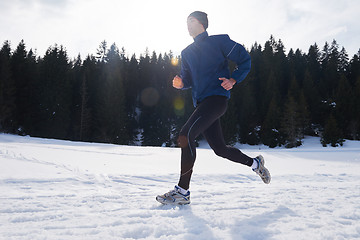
(204, 69)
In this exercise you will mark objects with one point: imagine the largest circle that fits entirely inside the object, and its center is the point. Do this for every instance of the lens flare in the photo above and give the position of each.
(179, 106)
(179, 103)
(174, 61)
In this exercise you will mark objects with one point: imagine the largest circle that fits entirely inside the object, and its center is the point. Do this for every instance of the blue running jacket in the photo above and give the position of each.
(206, 60)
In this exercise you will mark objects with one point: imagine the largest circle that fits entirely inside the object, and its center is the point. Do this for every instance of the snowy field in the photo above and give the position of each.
(53, 189)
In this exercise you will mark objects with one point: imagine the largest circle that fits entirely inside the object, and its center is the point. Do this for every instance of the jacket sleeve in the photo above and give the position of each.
(185, 73)
(237, 53)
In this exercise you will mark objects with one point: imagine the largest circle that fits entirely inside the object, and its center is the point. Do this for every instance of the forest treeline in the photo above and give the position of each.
(113, 98)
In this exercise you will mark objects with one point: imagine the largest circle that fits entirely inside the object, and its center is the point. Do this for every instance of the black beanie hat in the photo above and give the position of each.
(201, 17)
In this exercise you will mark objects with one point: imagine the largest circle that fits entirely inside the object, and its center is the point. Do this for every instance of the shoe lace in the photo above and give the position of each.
(260, 172)
(170, 193)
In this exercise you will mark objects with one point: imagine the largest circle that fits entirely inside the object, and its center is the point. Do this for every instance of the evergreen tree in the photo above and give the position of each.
(297, 66)
(290, 124)
(131, 83)
(323, 85)
(354, 69)
(281, 69)
(84, 111)
(331, 73)
(149, 97)
(332, 134)
(248, 118)
(312, 98)
(248, 97)
(355, 123)
(256, 73)
(75, 73)
(295, 116)
(343, 61)
(270, 134)
(111, 98)
(155, 107)
(167, 70)
(7, 92)
(30, 115)
(90, 94)
(111, 110)
(311, 86)
(304, 116)
(266, 74)
(344, 105)
(228, 123)
(313, 63)
(101, 53)
(80, 111)
(21, 76)
(55, 94)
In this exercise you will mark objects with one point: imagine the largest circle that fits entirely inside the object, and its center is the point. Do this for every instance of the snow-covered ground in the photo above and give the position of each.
(52, 189)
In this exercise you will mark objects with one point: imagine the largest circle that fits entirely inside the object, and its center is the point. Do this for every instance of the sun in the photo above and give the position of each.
(174, 61)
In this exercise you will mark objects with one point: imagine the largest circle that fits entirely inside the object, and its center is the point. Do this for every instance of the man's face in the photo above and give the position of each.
(194, 27)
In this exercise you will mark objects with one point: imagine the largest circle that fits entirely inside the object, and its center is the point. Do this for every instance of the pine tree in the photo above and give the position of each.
(168, 68)
(281, 69)
(332, 134)
(228, 123)
(90, 93)
(295, 116)
(131, 79)
(31, 113)
(113, 98)
(111, 111)
(355, 124)
(304, 116)
(249, 98)
(311, 97)
(55, 94)
(149, 97)
(354, 69)
(80, 111)
(344, 105)
(248, 123)
(313, 61)
(270, 134)
(323, 85)
(297, 68)
(266, 76)
(343, 61)
(101, 53)
(21, 76)
(290, 124)
(75, 75)
(311, 85)
(85, 111)
(332, 71)
(7, 92)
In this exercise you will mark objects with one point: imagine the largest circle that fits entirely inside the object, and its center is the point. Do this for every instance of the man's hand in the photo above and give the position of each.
(227, 84)
(177, 82)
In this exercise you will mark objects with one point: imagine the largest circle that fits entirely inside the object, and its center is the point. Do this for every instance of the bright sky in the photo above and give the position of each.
(160, 25)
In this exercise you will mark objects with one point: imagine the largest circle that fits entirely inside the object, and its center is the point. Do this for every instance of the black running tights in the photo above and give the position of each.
(206, 120)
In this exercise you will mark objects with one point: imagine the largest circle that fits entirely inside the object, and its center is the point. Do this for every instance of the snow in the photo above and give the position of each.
(51, 189)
